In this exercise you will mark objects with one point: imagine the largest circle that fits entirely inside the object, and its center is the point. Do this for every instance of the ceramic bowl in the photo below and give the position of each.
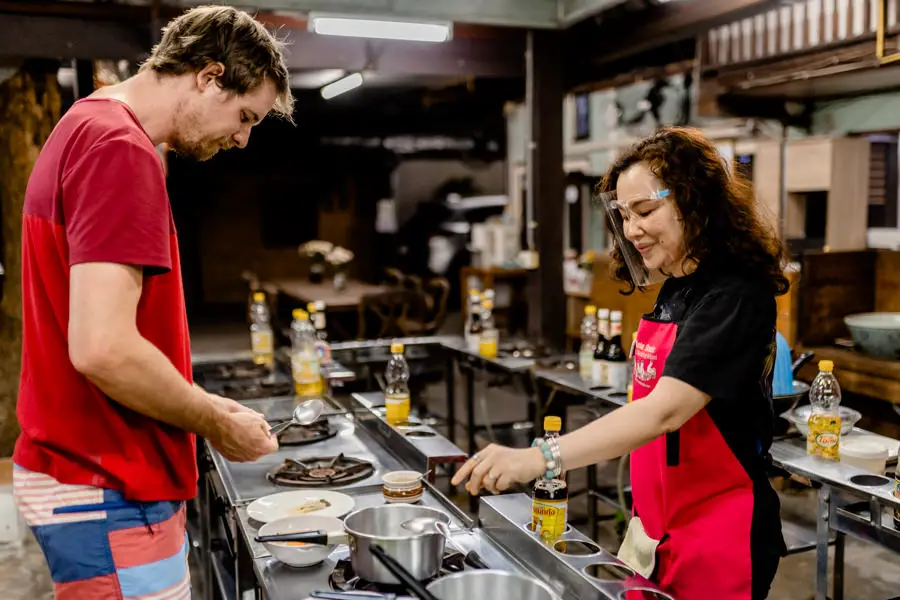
(297, 554)
(402, 487)
(878, 333)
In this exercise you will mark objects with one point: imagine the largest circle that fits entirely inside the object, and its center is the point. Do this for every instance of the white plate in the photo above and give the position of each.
(287, 504)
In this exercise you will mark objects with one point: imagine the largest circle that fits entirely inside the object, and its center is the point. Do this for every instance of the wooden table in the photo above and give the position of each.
(304, 291)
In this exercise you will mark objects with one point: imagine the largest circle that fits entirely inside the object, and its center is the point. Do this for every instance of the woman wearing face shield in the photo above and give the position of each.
(705, 520)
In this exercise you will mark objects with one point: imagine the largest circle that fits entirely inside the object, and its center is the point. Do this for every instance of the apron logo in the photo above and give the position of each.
(644, 370)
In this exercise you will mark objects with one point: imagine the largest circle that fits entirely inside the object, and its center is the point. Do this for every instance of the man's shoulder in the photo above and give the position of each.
(104, 122)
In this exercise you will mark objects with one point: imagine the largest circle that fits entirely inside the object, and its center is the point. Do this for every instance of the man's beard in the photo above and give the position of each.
(196, 150)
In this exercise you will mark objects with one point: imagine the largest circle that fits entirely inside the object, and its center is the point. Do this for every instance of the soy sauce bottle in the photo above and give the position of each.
(550, 498)
(616, 359)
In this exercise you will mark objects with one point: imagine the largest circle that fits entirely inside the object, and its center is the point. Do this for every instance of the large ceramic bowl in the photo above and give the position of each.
(878, 333)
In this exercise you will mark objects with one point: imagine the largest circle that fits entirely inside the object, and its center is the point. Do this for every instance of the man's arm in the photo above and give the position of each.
(106, 347)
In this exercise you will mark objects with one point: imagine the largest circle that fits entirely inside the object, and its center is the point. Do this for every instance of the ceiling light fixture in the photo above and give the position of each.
(342, 85)
(386, 29)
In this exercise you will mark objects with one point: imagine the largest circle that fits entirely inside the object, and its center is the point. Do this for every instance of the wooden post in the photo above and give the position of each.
(29, 108)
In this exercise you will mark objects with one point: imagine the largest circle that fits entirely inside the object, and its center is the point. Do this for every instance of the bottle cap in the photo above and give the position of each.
(311, 307)
(826, 365)
(603, 313)
(320, 305)
(552, 423)
(300, 314)
(590, 309)
(396, 348)
(258, 296)
(615, 315)
(487, 303)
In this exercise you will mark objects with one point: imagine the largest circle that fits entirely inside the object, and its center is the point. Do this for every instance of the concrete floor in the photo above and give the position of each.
(871, 573)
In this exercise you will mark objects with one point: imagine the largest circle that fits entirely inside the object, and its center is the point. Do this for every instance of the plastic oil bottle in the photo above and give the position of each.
(397, 391)
(304, 360)
(550, 498)
(630, 391)
(490, 336)
(824, 435)
(588, 342)
(261, 339)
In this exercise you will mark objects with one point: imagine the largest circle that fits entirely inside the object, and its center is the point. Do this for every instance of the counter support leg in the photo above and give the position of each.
(838, 578)
(823, 513)
(592, 501)
(470, 426)
(450, 382)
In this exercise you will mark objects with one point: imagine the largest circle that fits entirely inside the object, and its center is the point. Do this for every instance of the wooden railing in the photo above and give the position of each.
(794, 28)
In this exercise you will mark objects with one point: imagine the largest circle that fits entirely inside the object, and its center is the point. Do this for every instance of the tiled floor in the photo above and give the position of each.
(871, 573)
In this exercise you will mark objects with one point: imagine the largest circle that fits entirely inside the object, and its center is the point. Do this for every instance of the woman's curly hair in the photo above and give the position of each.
(717, 207)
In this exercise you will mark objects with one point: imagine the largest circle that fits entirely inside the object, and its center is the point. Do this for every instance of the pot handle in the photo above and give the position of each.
(319, 537)
(474, 559)
(400, 572)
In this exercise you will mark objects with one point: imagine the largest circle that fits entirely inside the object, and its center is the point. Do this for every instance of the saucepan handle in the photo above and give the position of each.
(310, 537)
(400, 572)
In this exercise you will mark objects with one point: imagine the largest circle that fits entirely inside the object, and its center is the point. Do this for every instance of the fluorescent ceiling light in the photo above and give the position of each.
(345, 84)
(315, 79)
(385, 29)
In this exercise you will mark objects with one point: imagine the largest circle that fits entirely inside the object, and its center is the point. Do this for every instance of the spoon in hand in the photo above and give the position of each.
(304, 414)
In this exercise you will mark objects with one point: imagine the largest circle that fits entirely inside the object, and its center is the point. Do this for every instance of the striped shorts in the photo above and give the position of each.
(100, 546)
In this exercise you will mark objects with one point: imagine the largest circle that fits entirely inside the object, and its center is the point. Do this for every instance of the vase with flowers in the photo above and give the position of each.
(339, 258)
(316, 251)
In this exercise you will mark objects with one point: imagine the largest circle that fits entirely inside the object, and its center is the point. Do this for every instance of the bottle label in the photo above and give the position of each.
(473, 342)
(548, 518)
(617, 376)
(824, 436)
(396, 408)
(305, 369)
(323, 351)
(261, 347)
(600, 375)
(897, 496)
(586, 364)
(487, 345)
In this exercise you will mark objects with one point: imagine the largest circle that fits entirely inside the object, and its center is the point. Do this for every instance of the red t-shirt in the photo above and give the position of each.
(98, 194)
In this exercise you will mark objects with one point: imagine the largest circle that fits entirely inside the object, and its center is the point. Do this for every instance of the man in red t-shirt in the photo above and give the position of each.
(106, 404)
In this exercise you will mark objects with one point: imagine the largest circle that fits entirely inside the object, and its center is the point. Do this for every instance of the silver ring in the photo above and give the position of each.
(476, 457)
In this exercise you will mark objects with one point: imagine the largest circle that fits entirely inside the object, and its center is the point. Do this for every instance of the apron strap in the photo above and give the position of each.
(673, 448)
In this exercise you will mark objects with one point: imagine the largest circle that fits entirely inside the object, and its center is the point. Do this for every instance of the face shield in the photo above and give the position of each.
(641, 224)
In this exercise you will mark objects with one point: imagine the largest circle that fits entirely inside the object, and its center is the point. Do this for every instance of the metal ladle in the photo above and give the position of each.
(304, 414)
(429, 524)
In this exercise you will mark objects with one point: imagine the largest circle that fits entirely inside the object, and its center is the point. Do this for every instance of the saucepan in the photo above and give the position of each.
(420, 553)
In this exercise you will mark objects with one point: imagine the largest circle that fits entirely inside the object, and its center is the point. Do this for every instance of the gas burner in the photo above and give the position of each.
(256, 388)
(297, 435)
(522, 350)
(320, 471)
(344, 579)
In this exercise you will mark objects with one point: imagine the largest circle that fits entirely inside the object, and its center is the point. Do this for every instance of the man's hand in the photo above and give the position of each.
(242, 436)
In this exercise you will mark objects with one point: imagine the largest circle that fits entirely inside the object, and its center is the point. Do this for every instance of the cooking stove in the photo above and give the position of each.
(320, 471)
(344, 579)
(298, 435)
(242, 380)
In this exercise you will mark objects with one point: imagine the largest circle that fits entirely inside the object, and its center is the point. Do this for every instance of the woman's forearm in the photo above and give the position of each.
(612, 435)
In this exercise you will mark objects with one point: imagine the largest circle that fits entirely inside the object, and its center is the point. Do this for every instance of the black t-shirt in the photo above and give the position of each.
(725, 347)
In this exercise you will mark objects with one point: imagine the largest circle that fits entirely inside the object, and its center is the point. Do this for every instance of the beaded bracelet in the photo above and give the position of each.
(553, 462)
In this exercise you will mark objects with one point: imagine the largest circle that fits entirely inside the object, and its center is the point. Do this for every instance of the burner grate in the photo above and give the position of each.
(297, 435)
(344, 579)
(320, 471)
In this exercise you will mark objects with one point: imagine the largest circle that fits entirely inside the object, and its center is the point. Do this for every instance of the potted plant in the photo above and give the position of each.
(316, 250)
(339, 258)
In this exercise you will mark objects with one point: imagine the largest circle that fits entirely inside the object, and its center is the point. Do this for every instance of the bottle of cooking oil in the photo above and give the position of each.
(616, 359)
(550, 498)
(261, 339)
(630, 390)
(397, 391)
(304, 360)
(588, 342)
(490, 336)
(824, 423)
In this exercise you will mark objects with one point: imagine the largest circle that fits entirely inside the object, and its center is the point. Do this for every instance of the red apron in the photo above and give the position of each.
(690, 492)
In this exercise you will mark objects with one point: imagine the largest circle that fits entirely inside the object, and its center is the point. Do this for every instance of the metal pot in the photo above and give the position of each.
(420, 553)
(490, 584)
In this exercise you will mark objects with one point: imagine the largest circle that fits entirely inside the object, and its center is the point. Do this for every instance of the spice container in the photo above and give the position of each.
(402, 487)
(867, 454)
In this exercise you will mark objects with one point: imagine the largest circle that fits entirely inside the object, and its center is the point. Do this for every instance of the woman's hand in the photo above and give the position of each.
(496, 468)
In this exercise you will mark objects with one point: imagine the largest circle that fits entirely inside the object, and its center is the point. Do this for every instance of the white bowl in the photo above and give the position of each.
(878, 333)
(865, 453)
(296, 555)
(800, 415)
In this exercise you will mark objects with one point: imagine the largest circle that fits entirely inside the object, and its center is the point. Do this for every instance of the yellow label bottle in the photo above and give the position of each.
(824, 436)
(261, 347)
(307, 376)
(396, 394)
(397, 408)
(549, 509)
